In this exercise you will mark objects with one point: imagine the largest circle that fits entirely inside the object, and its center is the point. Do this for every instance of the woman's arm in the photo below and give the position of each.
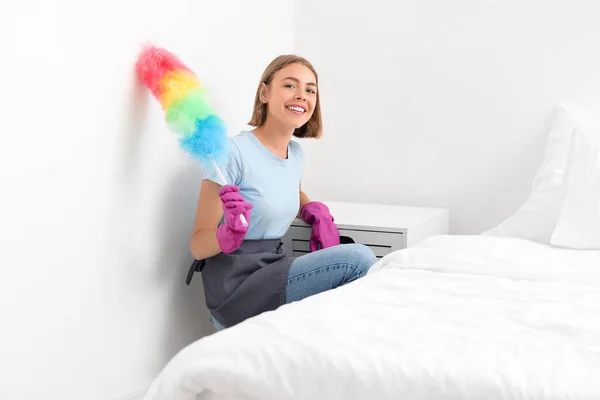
(203, 243)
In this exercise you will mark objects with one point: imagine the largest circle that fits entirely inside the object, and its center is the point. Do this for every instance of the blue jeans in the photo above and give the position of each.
(324, 270)
(327, 269)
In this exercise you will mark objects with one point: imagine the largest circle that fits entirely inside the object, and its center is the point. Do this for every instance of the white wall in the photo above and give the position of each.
(442, 103)
(97, 201)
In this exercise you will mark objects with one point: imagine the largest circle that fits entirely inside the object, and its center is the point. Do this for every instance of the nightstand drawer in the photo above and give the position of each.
(364, 237)
(385, 239)
(303, 247)
(381, 243)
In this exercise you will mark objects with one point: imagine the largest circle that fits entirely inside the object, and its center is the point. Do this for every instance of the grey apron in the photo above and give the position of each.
(245, 283)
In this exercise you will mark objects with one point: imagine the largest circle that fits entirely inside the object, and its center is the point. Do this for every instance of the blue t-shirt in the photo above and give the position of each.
(269, 183)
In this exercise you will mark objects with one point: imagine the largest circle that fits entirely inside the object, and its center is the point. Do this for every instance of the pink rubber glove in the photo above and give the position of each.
(231, 233)
(324, 232)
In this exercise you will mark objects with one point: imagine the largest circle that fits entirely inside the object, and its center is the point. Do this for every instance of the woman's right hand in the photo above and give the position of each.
(232, 232)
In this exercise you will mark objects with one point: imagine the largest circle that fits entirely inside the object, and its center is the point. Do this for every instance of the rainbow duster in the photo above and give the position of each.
(185, 103)
(187, 111)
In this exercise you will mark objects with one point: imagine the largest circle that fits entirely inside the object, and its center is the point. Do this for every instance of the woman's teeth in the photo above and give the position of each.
(297, 109)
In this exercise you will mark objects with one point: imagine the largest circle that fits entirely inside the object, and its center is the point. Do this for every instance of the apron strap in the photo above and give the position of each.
(197, 266)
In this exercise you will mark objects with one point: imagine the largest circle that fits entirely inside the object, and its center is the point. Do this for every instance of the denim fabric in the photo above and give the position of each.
(327, 269)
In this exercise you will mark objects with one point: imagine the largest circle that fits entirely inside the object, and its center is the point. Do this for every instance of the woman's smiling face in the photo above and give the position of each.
(291, 96)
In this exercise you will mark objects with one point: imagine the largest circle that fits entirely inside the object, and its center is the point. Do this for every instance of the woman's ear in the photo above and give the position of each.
(264, 93)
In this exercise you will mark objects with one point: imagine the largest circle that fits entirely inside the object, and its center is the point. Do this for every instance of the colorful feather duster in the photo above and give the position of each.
(202, 134)
(187, 110)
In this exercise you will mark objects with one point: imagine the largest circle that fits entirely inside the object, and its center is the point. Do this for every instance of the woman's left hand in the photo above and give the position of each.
(324, 231)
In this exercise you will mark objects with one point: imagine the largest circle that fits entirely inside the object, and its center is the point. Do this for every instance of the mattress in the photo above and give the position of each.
(455, 317)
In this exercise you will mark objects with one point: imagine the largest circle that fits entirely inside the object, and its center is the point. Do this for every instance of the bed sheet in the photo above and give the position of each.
(455, 317)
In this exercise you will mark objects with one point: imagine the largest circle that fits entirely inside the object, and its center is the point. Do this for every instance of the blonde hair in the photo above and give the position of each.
(313, 127)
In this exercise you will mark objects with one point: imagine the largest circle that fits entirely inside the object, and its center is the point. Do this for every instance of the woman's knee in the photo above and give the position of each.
(362, 256)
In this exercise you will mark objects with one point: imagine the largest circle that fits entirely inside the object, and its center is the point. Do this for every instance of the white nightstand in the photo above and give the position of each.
(384, 228)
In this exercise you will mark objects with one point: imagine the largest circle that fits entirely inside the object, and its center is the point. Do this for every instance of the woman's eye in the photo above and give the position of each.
(311, 91)
(289, 85)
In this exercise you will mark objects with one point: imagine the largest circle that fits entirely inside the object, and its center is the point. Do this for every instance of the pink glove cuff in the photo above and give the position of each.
(324, 232)
(315, 210)
(228, 240)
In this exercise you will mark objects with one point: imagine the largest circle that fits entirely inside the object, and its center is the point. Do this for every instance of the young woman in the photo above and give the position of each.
(246, 271)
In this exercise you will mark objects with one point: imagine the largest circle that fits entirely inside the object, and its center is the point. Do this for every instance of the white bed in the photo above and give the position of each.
(456, 317)
(513, 313)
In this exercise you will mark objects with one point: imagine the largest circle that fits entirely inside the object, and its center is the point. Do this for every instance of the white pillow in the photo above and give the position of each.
(537, 217)
(579, 223)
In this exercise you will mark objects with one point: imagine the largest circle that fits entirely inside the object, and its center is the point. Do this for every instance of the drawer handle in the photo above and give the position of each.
(346, 239)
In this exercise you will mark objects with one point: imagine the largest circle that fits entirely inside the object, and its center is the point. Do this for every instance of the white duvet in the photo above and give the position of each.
(457, 317)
